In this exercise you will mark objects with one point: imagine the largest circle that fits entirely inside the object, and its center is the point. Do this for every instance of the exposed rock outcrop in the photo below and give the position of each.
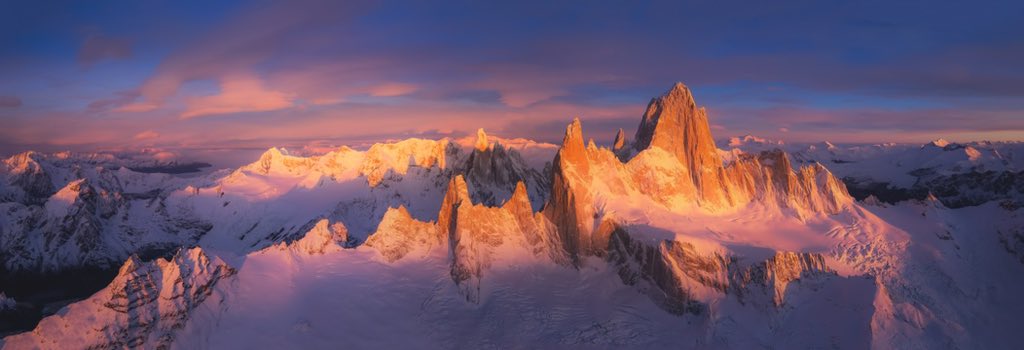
(769, 178)
(571, 208)
(492, 172)
(676, 274)
(479, 235)
(620, 140)
(676, 164)
(27, 181)
(144, 306)
(481, 140)
(399, 234)
(324, 237)
(674, 123)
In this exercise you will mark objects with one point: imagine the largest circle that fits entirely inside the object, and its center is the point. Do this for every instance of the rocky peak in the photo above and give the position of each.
(493, 172)
(777, 160)
(277, 160)
(143, 307)
(458, 192)
(397, 157)
(519, 204)
(620, 140)
(322, 238)
(674, 123)
(573, 151)
(23, 162)
(570, 206)
(399, 234)
(481, 140)
(26, 172)
(940, 143)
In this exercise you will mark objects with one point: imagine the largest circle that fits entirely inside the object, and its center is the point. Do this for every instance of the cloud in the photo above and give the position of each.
(896, 72)
(97, 47)
(10, 102)
(118, 102)
(238, 94)
(783, 129)
(137, 107)
(393, 89)
(147, 135)
(246, 39)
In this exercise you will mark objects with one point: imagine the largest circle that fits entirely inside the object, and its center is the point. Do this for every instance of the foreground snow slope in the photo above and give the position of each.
(290, 297)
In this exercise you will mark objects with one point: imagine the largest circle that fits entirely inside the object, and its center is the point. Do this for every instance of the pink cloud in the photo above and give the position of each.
(137, 107)
(165, 156)
(393, 89)
(238, 94)
(146, 135)
(326, 101)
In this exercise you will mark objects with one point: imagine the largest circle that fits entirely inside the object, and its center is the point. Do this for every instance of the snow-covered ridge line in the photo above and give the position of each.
(959, 174)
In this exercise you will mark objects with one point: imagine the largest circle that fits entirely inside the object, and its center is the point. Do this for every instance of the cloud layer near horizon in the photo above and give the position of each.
(260, 74)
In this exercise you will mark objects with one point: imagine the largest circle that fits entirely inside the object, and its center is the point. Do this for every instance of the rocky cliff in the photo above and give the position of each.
(142, 308)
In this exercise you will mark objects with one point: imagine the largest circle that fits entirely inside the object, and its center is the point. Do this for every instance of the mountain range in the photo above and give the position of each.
(665, 239)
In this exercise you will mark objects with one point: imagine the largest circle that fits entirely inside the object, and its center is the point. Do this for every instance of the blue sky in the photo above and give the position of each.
(254, 74)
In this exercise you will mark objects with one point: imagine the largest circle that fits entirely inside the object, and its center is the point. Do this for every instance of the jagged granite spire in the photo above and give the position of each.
(620, 140)
(674, 123)
(481, 140)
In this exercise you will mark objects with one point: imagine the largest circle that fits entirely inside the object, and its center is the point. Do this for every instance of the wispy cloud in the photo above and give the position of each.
(393, 89)
(147, 135)
(238, 94)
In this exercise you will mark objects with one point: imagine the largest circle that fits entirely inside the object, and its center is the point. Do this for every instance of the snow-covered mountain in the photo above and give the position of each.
(662, 241)
(959, 175)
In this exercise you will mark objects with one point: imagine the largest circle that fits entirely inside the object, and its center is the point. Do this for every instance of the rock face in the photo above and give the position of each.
(620, 140)
(492, 172)
(27, 181)
(674, 123)
(478, 235)
(674, 273)
(571, 208)
(324, 237)
(143, 307)
(475, 235)
(95, 219)
(769, 177)
(677, 165)
(396, 157)
(481, 140)
(399, 235)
